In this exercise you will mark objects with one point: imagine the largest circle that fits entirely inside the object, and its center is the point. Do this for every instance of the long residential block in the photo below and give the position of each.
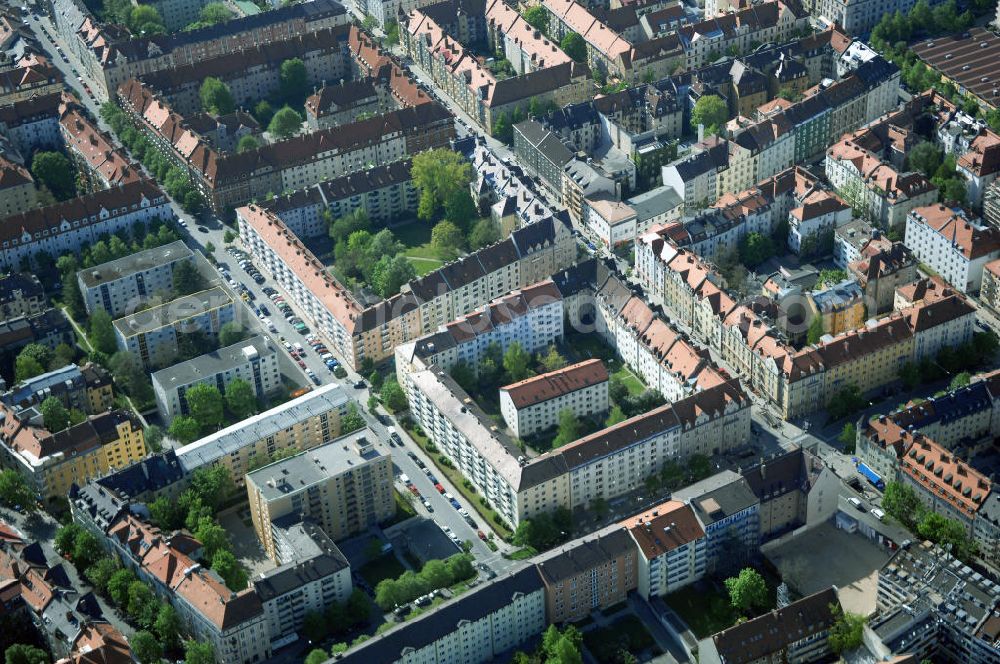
(152, 335)
(300, 424)
(254, 361)
(535, 404)
(120, 285)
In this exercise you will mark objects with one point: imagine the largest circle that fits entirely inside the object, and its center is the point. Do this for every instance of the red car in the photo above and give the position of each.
(413, 490)
(439, 488)
(302, 364)
(481, 534)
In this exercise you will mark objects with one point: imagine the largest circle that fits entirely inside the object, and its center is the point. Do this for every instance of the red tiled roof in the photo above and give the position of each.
(553, 384)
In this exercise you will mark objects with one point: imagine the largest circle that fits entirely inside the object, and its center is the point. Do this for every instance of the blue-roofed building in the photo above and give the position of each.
(964, 420)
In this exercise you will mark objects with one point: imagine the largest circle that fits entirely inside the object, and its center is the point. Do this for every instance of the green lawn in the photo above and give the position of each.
(523, 554)
(627, 633)
(704, 609)
(629, 379)
(586, 346)
(416, 235)
(383, 567)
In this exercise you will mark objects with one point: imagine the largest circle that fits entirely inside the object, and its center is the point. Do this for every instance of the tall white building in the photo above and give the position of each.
(673, 548)
(120, 285)
(955, 246)
(254, 360)
(535, 404)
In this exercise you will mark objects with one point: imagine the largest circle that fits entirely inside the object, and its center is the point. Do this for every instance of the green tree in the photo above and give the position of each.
(483, 234)
(153, 435)
(960, 380)
(216, 97)
(231, 333)
(515, 362)
(569, 429)
(213, 486)
(41, 354)
(502, 128)
(146, 648)
(142, 605)
(118, 586)
(390, 273)
(446, 237)
(848, 400)
(710, 111)
(437, 174)
(848, 437)
(574, 46)
(924, 157)
(537, 17)
(65, 538)
(392, 32)
(63, 355)
(459, 208)
(240, 399)
(816, 331)
(900, 502)
(747, 591)
(146, 20)
(55, 417)
(100, 573)
(285, 123)
(212, 536)
(352, 421)
(214, 12)
(168, 626)
(392, 395)
(247, 143)
(184, 429)
(553, 360)
(615, 416)
(26, 367)
(187, 279)
(72, 298)
(87, 550)
(226, 566)
(21, 653)
(847, 630)
(102, 332)
(294, 79)
(205, 404)
(198, 652)
(946, 532)
(56, 172)
(755, 248)
(317, 656)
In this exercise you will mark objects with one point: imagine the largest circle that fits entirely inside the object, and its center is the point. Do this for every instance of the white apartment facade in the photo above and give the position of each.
(536, 404)
(118, 286)
(956, 247)
(673, 548)
(254, 361)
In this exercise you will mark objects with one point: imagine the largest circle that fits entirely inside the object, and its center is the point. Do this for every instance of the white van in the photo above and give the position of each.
(877, 513)
(856, 502)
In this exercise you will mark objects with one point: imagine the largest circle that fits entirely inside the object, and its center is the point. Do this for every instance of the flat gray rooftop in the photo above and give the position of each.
(218, 361)
(139, 262)
(174, 311)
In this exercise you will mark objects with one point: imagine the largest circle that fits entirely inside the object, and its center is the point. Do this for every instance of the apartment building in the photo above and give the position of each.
(33, 123)
(729, 511)
(944, 483)
(254, 361)
(767, 22)
(29, 78)
(531, 316)
(300, 424)
(672, 548)
(121, 285)
(530, 254)
(384, 192)
(52, 462)
(883, 194)
(488, 620)
(589, 574)
(111, 55)
(87, 389)
(953, 245)
(21, 294)
(433, 35)
(536, 404)
(345, 486)
(932, 606)
(49, 328)
(883, 266)
(152, 335)
(17, 189)
(612, 222)
(178, 14)
(65, 227)
(311, 577)
(695, 177)
(101, 162)
(796, 633)
(233, 179)
(233, 623)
